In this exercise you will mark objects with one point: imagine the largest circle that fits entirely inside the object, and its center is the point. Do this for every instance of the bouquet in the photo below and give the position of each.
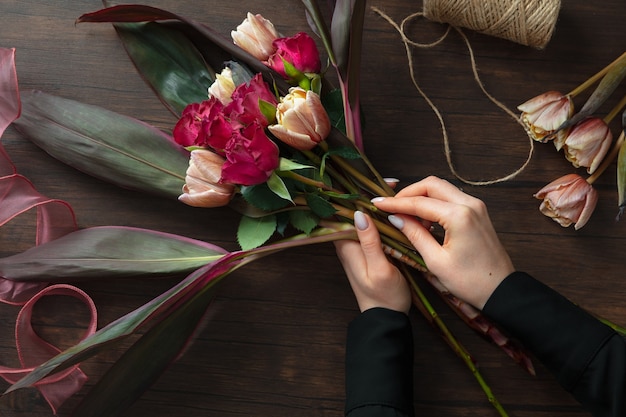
(262, 129)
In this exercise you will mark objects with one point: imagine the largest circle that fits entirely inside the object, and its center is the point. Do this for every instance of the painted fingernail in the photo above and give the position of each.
(388, 180)
(396, 221)
(377, 199)
(360, 221)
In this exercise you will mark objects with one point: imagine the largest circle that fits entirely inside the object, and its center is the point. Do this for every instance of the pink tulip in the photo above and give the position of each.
(202, 183)
(544, 114)
(302, 119)
(569, 199)
(256, 35)
(587, 143)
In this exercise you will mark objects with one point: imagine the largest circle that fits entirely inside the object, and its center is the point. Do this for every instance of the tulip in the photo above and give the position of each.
(544, 114)
(587, 143)
(202, 183)
(223, 86)
(302, 121)
(256, 35)
(569, 199)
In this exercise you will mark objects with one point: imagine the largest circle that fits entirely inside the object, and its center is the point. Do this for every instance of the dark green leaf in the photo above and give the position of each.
(333, 103)
(104, 144)
(169, 63)
(109, 251)
(320, 206)
(303, 220)
(139, 367)
(262, 197)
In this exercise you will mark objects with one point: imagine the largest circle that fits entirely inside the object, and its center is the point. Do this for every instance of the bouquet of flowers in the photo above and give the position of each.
(261, 129)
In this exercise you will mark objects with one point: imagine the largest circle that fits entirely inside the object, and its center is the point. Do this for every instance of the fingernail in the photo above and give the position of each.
(360, 221)
(377, 199)
(396, 221)
(391, 180)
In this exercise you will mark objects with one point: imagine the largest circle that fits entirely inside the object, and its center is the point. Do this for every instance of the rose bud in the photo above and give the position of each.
(586, 144)
(569, 199)
(255, 35)
(544, 114)
(299, 50)
(302, 119)
(223, 86)
(202, 183)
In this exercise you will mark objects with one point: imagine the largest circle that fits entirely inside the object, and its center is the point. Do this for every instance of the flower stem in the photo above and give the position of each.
(596, 77)
(615, 111)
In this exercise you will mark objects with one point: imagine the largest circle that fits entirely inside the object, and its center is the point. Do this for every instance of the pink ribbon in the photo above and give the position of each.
(55, 218)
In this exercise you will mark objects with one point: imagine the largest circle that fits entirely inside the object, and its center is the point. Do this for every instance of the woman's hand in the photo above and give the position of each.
(471, 262)
(374, 280)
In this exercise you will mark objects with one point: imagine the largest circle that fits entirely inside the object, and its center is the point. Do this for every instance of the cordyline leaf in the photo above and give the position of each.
(9, 93)
(603, 91)
(169, 63)
(109, 251)
(215, 48)
(621, 170)
(157, 309)
(139, 367)
(104, 144)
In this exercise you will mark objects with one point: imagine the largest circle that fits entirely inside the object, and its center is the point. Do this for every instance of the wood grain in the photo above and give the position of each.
(275, 342)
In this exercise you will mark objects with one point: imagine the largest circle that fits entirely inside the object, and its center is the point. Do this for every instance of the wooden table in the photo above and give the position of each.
(275, 342)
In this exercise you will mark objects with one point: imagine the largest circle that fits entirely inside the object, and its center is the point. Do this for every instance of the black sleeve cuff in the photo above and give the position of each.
(379, 361)
(564, 337)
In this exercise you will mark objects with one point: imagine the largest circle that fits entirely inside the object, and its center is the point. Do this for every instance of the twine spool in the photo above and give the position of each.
(528, 22)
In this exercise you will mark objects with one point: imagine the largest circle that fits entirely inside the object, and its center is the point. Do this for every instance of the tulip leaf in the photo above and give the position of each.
(104, 144)
(109, 251)
(139, 367)
(253, 232)
(169, 63)
(159, 308)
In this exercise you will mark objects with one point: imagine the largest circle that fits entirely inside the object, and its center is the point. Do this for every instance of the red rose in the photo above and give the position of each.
(244, 107)
(299, 50)
(203, 124)
(251, 157)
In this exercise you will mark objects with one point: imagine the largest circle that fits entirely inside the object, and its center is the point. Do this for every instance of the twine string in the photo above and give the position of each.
(408, 43)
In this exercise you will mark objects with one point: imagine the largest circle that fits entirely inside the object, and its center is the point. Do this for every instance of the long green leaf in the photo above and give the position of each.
(138, 368)
(169, 63)
(109, 251)
(158, 308)
(104, 144)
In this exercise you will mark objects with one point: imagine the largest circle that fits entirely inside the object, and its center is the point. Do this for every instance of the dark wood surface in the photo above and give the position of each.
(275, 342)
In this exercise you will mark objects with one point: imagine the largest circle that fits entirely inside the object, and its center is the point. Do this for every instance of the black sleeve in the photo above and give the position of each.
(587, 357)
(379, 365)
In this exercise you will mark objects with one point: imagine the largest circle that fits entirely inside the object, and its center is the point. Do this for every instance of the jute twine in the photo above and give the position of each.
(529, 22)
(470, 7)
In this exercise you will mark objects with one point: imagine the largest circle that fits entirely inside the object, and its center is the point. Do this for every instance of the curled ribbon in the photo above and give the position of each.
(55, 218)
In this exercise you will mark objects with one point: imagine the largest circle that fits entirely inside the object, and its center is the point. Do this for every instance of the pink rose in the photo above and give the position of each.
(299, 50)
(251, 157)
(244, 106)
(203, 124)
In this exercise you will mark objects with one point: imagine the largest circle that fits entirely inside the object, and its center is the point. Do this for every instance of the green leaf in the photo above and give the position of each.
(320, 206)
(263, 197)
(104, 144)
(169, 63)
(621, 171)
(268, 110)
(333, 103)
(109, 251)
(253, 232)
(139, 367)
(303, 220)
(278, 187)
(290, 165)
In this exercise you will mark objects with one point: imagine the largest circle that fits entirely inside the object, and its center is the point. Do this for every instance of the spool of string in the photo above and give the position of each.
(528, 22)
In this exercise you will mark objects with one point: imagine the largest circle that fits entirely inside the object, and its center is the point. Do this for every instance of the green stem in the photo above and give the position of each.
(456, 346)
(596, 77)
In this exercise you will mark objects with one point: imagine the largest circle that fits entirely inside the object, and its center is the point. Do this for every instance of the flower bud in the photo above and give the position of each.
(586, 144)
(302, 119)
(544, 114)
(256, 35)
(569, 199)
(202, 183)
(223, 86)
(299, 50)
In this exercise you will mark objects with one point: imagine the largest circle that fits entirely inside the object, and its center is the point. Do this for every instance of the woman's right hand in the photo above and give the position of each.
(471, 262)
